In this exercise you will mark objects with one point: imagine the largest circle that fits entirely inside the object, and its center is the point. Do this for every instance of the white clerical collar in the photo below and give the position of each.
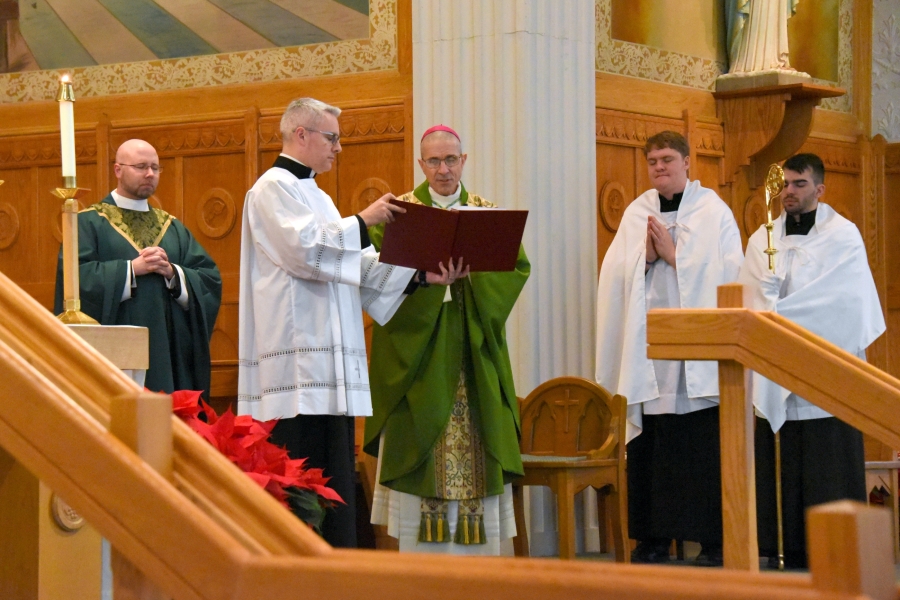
(128, 203)
(445, 201)
(311, 172)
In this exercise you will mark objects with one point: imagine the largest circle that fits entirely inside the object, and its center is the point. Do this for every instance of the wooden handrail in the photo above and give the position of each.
(787, 354)
(214, 535)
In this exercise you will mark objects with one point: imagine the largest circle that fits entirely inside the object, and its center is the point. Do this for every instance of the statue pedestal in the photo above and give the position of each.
(730, 82)
(47, 551)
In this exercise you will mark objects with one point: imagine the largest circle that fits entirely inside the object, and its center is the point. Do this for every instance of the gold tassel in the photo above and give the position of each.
(466, 530)
(428, 537)
(440, 527)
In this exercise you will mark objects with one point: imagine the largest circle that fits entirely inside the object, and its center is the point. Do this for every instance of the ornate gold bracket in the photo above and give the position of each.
(765, 125)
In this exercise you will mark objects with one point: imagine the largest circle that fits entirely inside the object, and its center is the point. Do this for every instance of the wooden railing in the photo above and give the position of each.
(792, 357)
(207, 532)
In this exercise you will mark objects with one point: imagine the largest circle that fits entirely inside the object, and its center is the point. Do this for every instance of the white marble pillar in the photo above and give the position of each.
(516, 79)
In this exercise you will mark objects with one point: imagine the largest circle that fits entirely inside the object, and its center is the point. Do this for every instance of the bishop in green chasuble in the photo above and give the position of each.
(108, 238)
(446, 420)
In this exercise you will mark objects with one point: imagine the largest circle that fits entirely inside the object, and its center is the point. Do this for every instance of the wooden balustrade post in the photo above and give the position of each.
(740, 544)
(143, 422)
(849, 547)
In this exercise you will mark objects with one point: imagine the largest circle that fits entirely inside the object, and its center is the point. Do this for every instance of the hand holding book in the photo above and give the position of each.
(428, 238)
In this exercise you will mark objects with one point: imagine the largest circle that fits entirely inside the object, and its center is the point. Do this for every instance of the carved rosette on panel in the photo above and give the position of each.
(754, 214)
(611, 204)
(9, 225)
(368, 191)
(216, 213)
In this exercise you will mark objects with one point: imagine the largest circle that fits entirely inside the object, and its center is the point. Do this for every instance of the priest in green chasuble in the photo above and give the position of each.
(446, 420)
(140, 266)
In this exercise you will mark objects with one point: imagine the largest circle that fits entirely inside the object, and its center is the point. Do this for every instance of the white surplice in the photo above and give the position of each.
(304, 284)
(822, 282)
(707, 253)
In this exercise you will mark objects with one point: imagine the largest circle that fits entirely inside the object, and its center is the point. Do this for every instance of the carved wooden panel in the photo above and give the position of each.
(207, 168)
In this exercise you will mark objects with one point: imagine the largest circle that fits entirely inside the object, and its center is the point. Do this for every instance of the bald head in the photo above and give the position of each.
(137, 170)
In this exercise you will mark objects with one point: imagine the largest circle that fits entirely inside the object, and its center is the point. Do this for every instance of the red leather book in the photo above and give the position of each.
(487, 239)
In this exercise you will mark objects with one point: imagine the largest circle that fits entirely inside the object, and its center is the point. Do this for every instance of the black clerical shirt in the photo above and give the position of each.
(666, 205)
(801, 227)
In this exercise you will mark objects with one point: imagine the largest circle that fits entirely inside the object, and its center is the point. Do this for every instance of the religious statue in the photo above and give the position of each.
(758, 35)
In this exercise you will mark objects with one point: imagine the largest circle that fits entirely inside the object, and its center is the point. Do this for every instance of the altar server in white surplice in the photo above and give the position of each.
(306, 276)
(822, 282)
(676, 243)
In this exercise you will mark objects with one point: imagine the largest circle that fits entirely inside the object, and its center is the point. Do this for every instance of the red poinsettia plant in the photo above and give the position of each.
(245, 442)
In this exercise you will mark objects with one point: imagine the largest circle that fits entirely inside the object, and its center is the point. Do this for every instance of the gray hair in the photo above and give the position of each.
(302, 112)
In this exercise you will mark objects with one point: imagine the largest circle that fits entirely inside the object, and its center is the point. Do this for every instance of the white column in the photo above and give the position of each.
(516, 79)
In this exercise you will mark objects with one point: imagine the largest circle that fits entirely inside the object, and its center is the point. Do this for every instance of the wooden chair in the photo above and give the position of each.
(573, 436)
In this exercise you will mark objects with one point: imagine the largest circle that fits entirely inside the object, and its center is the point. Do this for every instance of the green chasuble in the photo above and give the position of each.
(108, 236)
(437, 366)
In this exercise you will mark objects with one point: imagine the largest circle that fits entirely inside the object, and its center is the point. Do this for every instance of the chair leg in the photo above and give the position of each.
(520, 542)
(603, 519)
(565, 510)
(618, 503)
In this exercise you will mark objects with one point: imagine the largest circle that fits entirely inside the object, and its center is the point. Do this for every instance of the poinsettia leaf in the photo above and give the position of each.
(186, 404)
(306, 505)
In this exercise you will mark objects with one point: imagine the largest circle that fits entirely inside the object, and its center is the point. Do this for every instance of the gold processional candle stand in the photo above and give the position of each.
(774, 186)
(70, 193)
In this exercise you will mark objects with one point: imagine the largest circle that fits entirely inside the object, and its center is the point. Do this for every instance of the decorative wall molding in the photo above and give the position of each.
(366, 124)
(183, 139)
(646, 62)
(841, 157)
(892, 159)
(710, 139)
(44, 149)
(378, 52)
(631, 129)
(383, 121)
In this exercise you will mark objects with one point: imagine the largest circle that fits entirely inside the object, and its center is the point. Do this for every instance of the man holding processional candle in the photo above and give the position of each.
(822, 282)
(138, 265)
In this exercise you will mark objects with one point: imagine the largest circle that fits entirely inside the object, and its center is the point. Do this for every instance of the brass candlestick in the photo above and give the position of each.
(774, 187)
(71, 314)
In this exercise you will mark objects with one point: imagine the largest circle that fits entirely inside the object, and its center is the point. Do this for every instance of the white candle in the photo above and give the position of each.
(67, 132)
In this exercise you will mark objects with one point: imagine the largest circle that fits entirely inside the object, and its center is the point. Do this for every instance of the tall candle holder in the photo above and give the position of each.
(69, 193)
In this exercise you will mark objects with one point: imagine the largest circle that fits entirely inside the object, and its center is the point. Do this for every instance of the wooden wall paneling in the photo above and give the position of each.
(105, 157)
(616, 168)
(892, 254)
(251, 147)
(18, 222)
(872, 202)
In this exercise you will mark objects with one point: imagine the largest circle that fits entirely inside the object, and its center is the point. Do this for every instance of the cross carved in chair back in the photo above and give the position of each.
(571, 417)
